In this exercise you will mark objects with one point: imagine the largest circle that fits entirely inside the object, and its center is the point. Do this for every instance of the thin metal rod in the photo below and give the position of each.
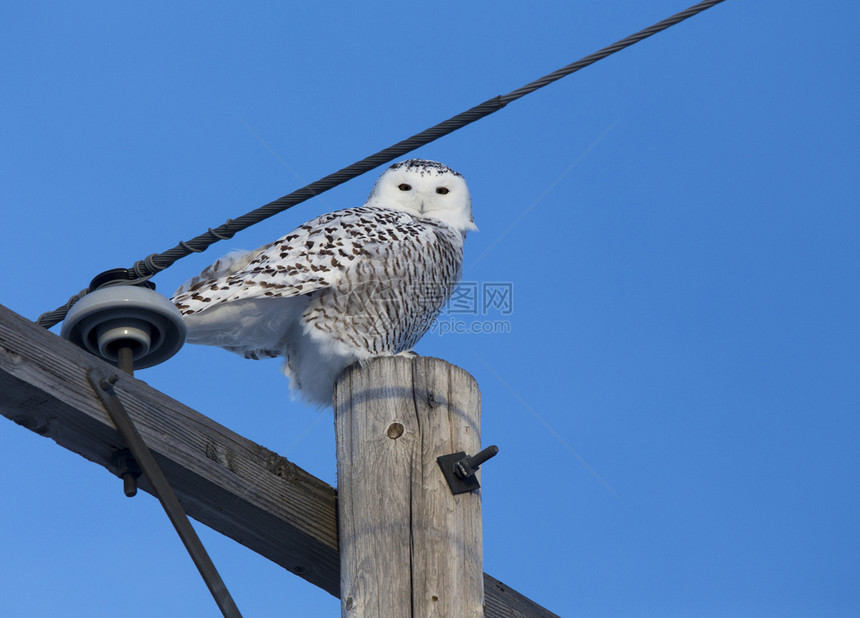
(125, 361)
(125, 356)
(103, 384)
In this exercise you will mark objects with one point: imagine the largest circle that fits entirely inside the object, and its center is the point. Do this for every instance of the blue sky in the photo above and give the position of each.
(675, 395)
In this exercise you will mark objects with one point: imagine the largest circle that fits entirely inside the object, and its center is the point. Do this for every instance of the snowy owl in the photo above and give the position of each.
(344, 287)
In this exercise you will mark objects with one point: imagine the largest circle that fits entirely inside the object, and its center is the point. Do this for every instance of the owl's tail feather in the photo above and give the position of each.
(257, 354)
(248, 327)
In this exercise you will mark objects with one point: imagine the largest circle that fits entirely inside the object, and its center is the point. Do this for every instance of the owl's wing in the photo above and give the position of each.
(312, 257)
(223, 267)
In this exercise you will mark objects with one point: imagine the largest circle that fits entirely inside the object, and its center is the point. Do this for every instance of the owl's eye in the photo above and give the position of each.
(441, 190)
(404, 187)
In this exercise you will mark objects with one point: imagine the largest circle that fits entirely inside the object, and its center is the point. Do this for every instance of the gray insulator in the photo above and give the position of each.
(125, 316)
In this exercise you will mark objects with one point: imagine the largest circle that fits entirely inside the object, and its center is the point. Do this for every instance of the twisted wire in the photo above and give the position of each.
(153, 264)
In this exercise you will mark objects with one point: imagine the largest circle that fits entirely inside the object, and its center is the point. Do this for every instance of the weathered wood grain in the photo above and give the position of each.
(227, 482)
(409, 548)
(223, 480)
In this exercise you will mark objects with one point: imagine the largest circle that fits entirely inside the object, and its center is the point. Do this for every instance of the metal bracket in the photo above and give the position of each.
(103, 384)
(126, 469)
(460, 470)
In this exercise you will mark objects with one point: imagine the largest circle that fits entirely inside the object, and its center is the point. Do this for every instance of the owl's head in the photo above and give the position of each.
(425, 189)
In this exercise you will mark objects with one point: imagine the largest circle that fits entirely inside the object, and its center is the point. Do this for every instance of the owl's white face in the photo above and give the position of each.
(425, 189)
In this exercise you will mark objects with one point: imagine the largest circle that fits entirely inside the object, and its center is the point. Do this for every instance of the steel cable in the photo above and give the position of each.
(155, 263)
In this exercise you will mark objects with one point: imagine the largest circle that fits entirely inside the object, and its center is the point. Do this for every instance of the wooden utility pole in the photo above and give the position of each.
(409, 547)
(223, 480)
